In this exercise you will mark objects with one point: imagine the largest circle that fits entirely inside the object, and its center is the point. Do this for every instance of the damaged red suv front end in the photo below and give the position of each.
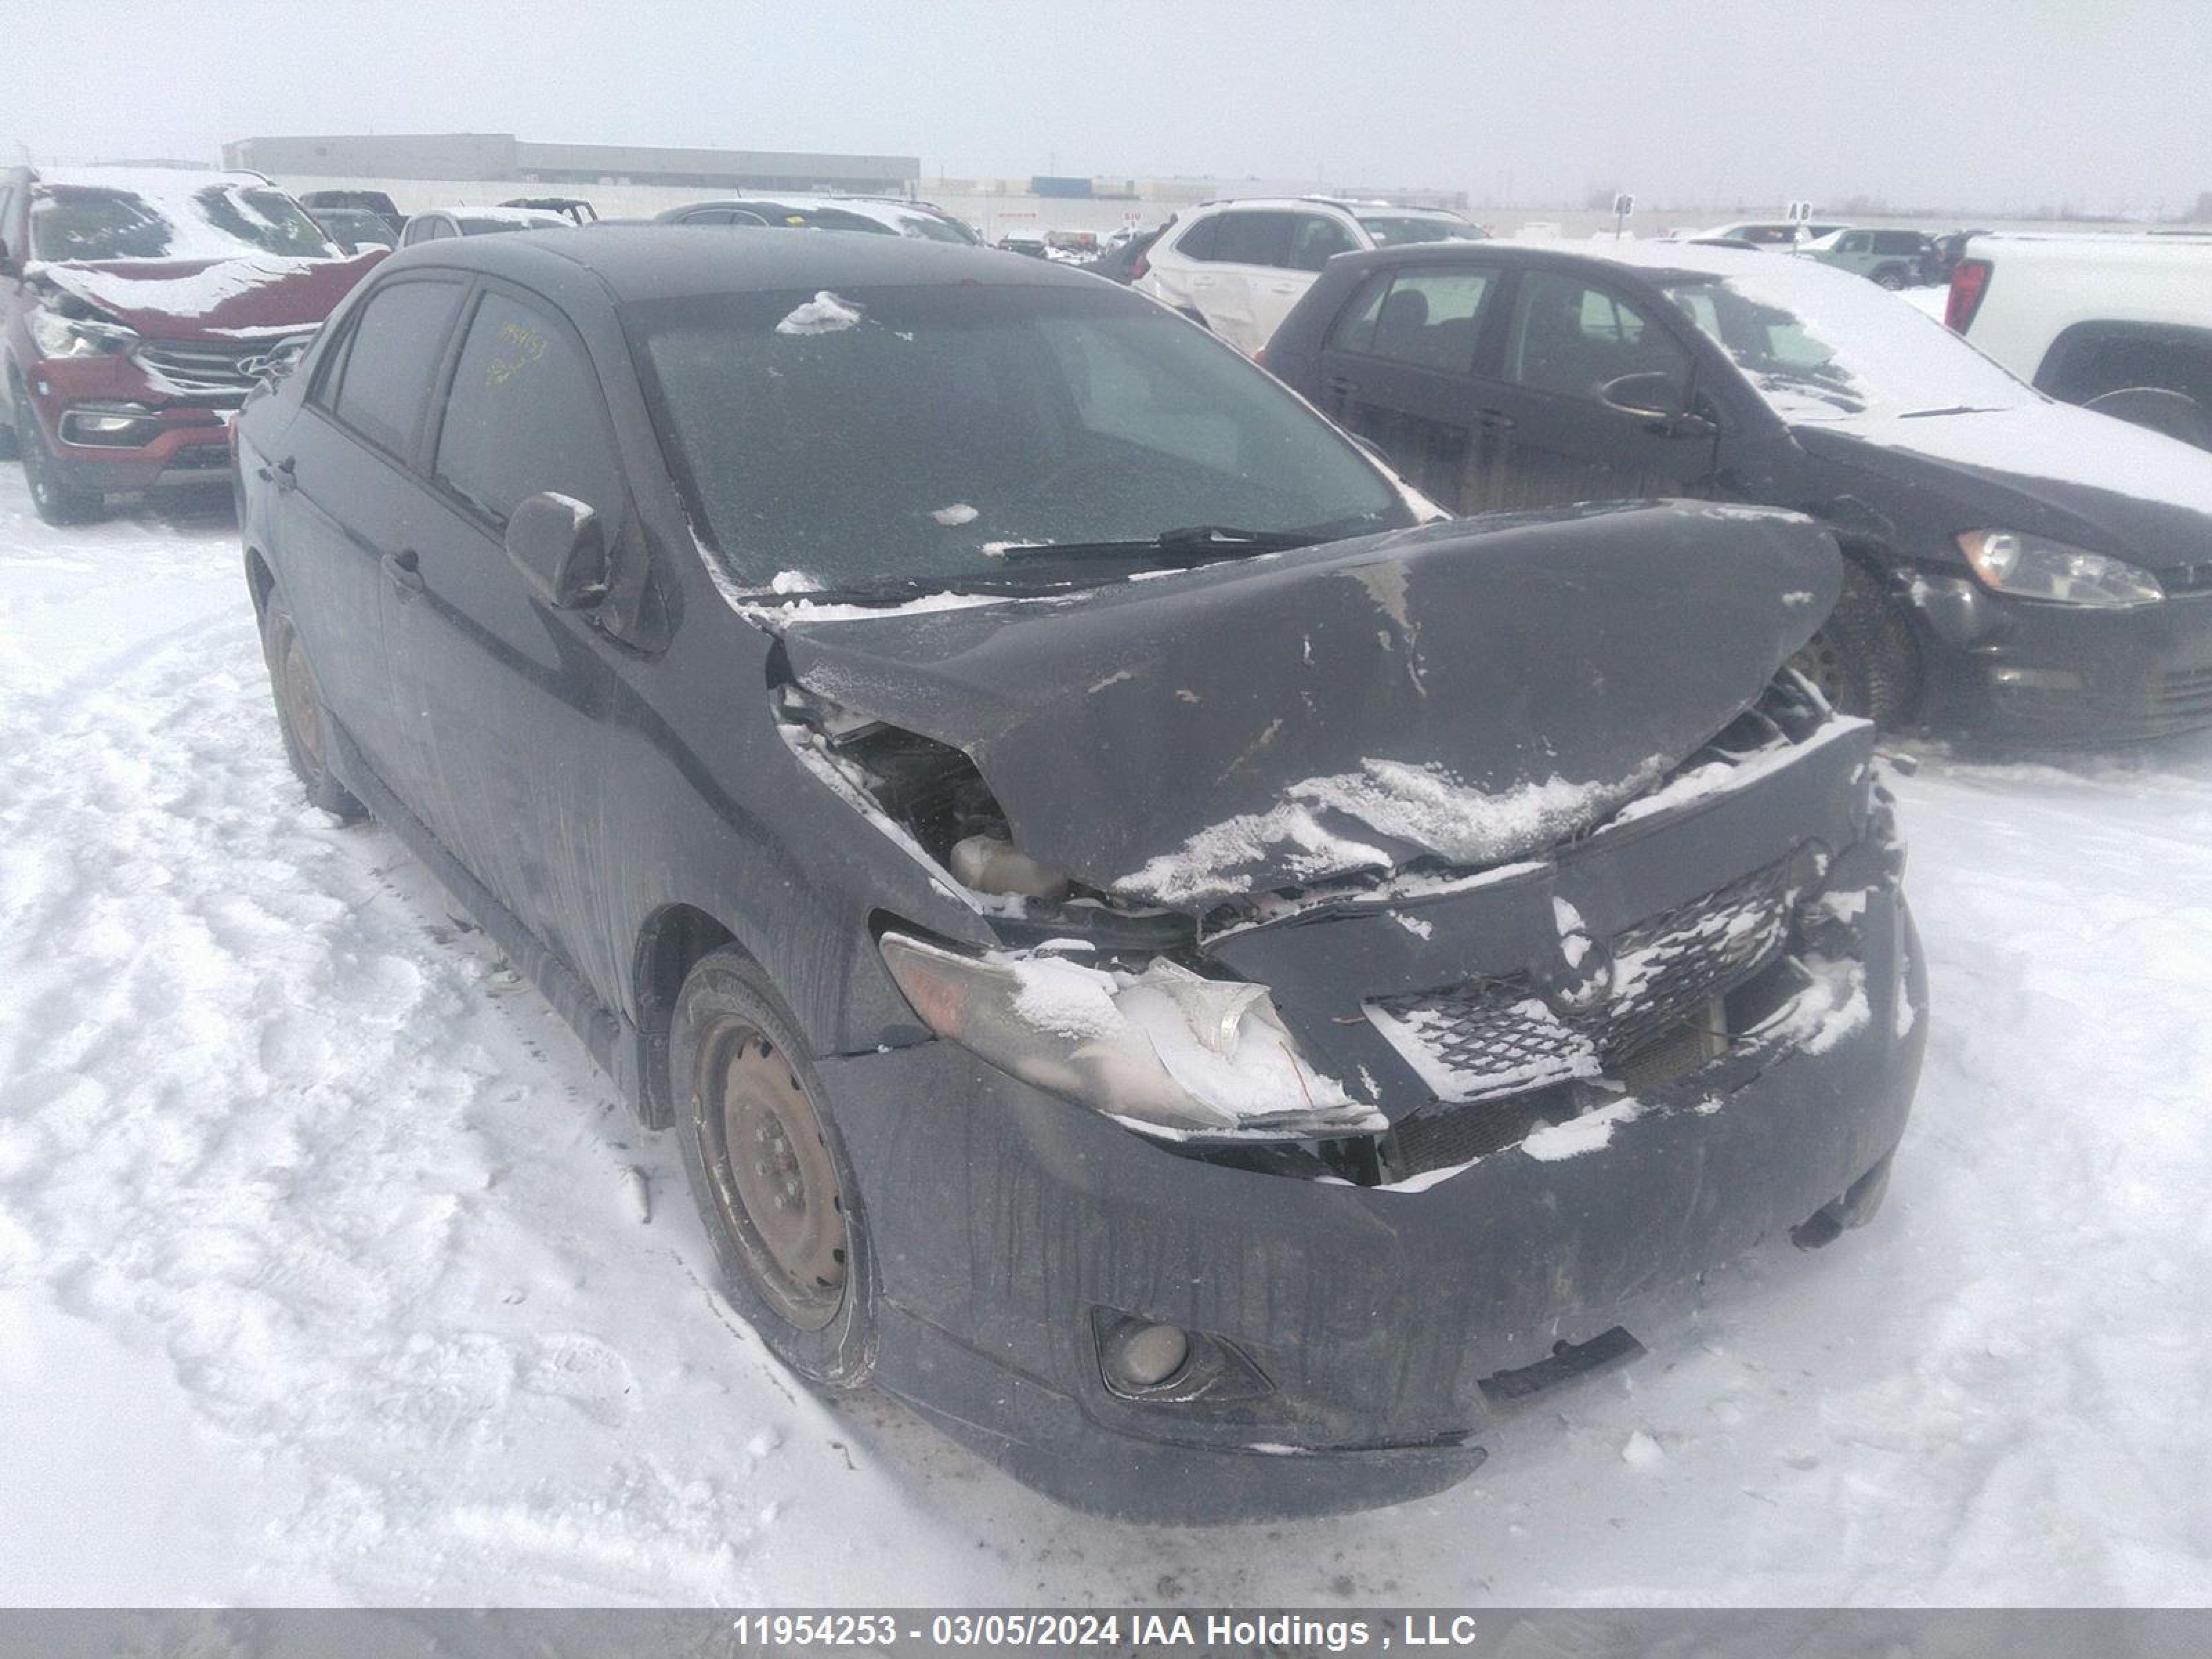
(140, 309)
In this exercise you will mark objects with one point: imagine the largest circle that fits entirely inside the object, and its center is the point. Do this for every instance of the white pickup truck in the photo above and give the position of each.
(2122, 324)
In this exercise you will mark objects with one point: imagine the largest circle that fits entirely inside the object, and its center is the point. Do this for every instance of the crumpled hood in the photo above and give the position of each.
(2049, 468)
(213, 299)
(1467, 693)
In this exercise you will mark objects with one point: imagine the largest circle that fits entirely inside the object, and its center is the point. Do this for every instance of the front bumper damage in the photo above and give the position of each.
(1494, 1243)
(155, 418)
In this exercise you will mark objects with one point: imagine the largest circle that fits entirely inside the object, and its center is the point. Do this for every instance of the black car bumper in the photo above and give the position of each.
(1004, 1220)
(2026, 673)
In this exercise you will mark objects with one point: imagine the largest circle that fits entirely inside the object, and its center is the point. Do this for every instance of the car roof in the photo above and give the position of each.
(170, 182)
(1658, 261)
(1354, 206)
(647, 262)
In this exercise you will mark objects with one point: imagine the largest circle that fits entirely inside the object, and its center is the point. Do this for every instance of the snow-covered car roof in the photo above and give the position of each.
(904, 217)
(152, 183)
(520, 218)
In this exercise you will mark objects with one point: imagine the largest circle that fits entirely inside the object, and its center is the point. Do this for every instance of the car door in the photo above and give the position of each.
(1558, 436)
(501, 694)
(1251, 253)
(1397, 367)
(344, 507)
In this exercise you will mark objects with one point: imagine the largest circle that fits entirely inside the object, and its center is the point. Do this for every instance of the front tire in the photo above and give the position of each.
(770, 1174)
(1864, 658)
(301, 719)
(54, 501)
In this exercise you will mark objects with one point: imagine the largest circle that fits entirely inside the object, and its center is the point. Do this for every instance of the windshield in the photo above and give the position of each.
(215, 221)
(914, 433)
(1819, 345)
(1390, 229)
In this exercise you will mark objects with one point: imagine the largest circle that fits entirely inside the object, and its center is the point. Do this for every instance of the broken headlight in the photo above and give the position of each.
(76, 337)
(1163, 1049)
(2037, 568)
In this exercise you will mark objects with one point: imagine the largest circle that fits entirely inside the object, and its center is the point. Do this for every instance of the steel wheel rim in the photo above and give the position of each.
(774, 1180)
(303, 709)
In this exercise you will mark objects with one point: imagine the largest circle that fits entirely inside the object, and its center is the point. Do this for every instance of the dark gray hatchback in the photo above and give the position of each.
(1210, 988)
(2017, 567)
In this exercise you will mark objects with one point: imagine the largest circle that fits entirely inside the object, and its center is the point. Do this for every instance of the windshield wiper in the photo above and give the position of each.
(1955, 408)
(1189, 544)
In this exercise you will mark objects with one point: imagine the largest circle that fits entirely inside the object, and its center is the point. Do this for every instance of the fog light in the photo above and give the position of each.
(106, 427)
(2037, 679)
(1137, 1357)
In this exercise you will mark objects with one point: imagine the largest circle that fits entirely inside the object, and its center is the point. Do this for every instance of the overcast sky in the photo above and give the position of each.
(1990, 103)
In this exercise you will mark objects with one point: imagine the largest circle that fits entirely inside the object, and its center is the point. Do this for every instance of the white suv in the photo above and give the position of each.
(1239, 267)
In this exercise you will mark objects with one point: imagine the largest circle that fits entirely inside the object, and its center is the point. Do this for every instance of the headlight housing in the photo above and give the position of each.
(1162, 1050)
(2035, 568)
(77, 336)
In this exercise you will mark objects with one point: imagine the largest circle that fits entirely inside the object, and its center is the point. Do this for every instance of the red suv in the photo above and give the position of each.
(136, 308)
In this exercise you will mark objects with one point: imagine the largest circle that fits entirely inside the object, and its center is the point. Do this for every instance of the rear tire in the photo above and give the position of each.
(54, 501)
(1864, 657)
(770, 1174)
(1889, 277)
(302, 719)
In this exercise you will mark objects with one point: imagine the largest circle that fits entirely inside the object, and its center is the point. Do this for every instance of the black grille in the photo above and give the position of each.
(1499, 1037)
(2183, 691)
(203, 365)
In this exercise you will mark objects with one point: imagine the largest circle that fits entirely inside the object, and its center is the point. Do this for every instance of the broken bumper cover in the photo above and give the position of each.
(1005, 1220)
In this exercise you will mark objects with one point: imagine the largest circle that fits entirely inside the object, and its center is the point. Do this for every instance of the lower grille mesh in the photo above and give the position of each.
(1499, 1036)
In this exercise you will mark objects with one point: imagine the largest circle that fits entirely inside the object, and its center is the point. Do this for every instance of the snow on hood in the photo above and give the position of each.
(1460, 694)
(219, 299)
(2076, 475)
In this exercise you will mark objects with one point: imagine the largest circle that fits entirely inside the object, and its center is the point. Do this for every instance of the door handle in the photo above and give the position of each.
(280, 474)
(1341, 385)
(403, 570)
(1493, 420)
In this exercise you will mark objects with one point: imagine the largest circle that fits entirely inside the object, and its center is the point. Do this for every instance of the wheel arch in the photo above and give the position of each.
(260, 580)
(672, 941)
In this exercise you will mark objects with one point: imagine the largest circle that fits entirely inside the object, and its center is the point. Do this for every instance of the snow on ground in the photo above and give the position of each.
(323, 1274)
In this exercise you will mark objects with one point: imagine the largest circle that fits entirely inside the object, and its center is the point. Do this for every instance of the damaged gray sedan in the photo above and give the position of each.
(1209, 983)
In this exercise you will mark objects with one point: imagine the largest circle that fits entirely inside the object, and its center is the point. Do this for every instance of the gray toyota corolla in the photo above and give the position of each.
(1209, 983)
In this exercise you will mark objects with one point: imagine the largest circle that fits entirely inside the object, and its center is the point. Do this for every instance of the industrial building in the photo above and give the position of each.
(500, 157)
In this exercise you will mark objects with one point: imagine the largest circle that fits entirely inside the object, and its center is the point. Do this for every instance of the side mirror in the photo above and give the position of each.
(559, 545)
(280, 360)
(1650, 393)
(1658, 400)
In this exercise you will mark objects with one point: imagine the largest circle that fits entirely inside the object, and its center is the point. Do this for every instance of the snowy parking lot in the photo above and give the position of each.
(330, 1270)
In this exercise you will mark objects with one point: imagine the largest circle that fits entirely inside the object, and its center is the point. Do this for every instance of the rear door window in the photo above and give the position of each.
(524, 415)
(1431, 318)
(1316, 239)
(1355, 325)
(1197, 241)
(392, 356)
(1254, 238)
